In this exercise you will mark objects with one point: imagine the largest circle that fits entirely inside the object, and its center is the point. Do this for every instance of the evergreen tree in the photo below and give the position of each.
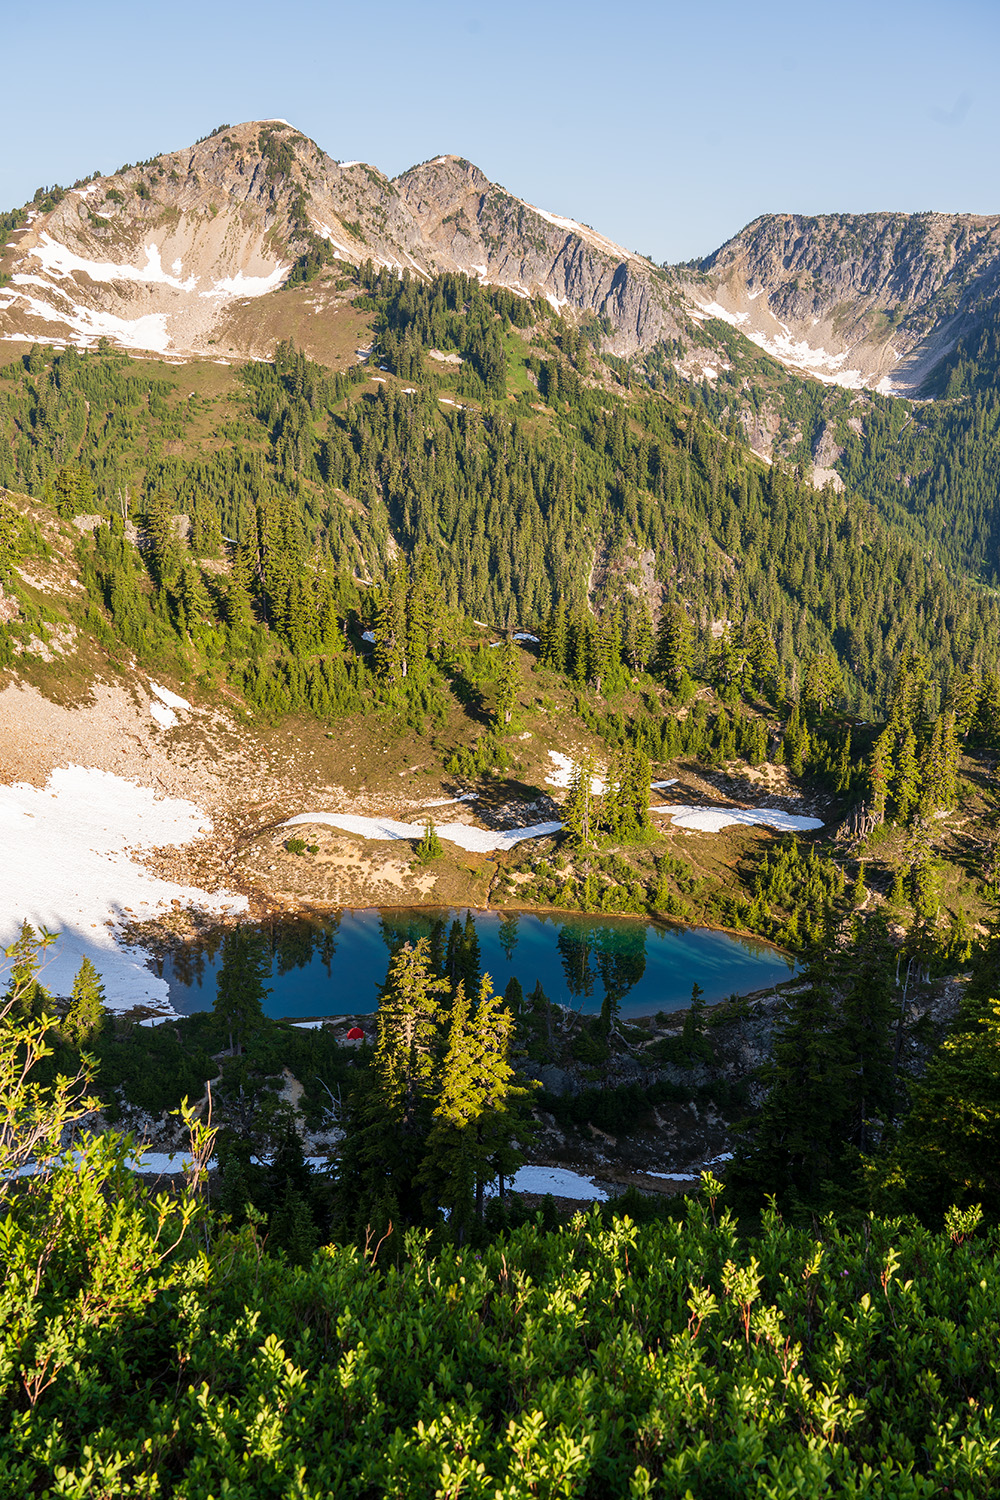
(470, 956)
(390, 1111)
(879, 772)
(86, 1009)
(674, 646)
(822, 683)
(868, 1010)
(759, 658)
(508, 684)
(844, 767)
(429, 847)
(554, 640)
(578, 809)
(24, 991)
(795, 1146)
(904, 783)
(513, 996)
(638, 642)
(948, 1150)
(795, 742)
(472, 1138)
(389, 628)
(859, 891)
(240, 988)
(693, 1030)
(963, 699)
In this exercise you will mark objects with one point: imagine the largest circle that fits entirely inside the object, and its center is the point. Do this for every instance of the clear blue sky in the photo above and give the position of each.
(667, 126)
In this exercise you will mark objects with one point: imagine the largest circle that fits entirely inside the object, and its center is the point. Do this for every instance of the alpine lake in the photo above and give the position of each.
(335, 965)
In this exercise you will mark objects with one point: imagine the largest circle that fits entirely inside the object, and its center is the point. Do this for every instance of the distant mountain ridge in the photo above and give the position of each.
(192, 253)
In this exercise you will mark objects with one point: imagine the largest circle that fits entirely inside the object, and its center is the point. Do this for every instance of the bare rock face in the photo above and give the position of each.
(859, 300)
(485, 231)
(166, 255)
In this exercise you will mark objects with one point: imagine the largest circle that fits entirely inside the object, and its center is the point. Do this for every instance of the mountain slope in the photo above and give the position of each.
(167, 256)
(859, 300)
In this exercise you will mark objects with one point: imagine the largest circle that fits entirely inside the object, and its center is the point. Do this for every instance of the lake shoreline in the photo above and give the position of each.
(159, 939)
(322, 954)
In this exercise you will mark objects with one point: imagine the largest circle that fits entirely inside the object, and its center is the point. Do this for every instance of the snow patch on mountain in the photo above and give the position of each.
(60, 261)
(591, 236)
(248, 286)
(783, 346)
(87, 325)
(562, 774)
(714, 819)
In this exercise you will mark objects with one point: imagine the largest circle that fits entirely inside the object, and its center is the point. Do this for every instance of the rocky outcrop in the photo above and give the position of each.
(860, 300)
(485, 231)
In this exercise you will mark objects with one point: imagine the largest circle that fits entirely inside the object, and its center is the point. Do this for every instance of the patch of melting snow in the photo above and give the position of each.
(673, 1176)
(472, 840)
(166, 696)
(147, 332)
(714, 819)
(559, 1181)
(248, 286)
(58, 260)
(449, 801)
(69, 866)
(140, 1160)
(785, 348)
(523, 635)
(599, 241)
(327, 234)
(164, 716)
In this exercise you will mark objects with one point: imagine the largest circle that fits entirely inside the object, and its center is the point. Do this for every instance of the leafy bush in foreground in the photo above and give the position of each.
(603, 1359)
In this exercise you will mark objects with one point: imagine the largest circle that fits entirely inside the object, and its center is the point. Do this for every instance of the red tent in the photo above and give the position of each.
(355, 1034)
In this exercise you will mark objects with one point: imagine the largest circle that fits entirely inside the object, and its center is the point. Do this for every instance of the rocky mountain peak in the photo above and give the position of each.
(165, 254)
(856, 299)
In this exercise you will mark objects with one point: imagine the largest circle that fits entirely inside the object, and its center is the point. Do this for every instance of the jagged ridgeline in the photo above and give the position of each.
(543, 480)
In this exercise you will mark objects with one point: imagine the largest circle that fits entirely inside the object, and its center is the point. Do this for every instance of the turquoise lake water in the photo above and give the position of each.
(335, 966)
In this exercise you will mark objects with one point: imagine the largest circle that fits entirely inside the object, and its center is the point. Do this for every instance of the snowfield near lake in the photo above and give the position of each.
(68, 866)
(473, 840)
(559, 1181)
(714, 819)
